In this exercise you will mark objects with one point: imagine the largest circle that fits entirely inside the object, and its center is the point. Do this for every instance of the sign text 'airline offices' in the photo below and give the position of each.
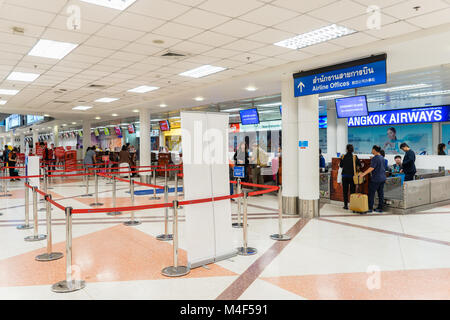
(354, 74)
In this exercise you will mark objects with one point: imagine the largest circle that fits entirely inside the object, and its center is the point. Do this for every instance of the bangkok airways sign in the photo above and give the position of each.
(402, 116)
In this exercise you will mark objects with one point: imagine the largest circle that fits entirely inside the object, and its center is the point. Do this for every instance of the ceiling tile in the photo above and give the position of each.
(301, 6)
(432, 19)
(177, 30)
(353, 40)
(271, 51)
(119, 33)
(230, 8)
(137, 22)
(101, 42)
(238, 28)
(25, 15)
(302, 24)
(86, 26)
(295, 55)
(323, 48)
(201, 19)
(360, 23)
(270, 35)
(191, 47)
(393, 30)
(212, 38)
(269, 15)
(160, 9)
(339, 11)
(406, 9)
(144, 49)
(221, 53)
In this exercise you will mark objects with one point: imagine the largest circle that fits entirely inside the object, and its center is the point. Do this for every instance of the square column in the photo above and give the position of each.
(144, 141)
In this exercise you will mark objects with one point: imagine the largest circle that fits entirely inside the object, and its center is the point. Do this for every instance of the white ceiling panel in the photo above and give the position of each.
(85, 26)
(101, 42)
(269, 15)
(270, 35)
(150, 38)
(221, 53)
(393, 30)
(339, 11)
(25, 15)
(191, 48)
(353, 40)
(160, 9)
(230, 8)
(360, 23)
(212, 38)
(406, 10)
(432, 19)
(301, 24)
(176, 30)
(137, 22)
(201, 19)
(120, 33)
(238, 28)
(29, 29)
(302, 6)
(53, 6)
(244, 45)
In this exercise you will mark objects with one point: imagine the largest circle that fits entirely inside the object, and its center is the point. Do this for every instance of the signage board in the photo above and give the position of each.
(249, 116)
(354, 74)
(303, 144)
(402, 116)
(239, 172)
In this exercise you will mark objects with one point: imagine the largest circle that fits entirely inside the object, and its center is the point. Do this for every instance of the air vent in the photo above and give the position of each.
(60, 101)
(173, 55)
(96, 86)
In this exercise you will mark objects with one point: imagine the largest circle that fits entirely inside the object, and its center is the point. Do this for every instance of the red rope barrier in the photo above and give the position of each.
(117, 209)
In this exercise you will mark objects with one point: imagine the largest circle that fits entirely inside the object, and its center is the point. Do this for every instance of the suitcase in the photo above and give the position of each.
(359, 203)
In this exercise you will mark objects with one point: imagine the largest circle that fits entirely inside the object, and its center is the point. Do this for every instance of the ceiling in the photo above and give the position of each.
(117, 50)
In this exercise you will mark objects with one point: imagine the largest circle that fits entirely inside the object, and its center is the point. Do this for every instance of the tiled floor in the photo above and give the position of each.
(337, 256)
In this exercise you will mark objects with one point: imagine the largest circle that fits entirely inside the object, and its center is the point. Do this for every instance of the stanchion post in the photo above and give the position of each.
(239, 223)
(280, 236)
(166, 236)
(96, 203)
(154, 197)
(114, 196)
(36, 236)
(132, 221)
(26, 225)
(175, 270)
(86, 171)
(44, 170)
(245, 250)
(49, 255)
(68, 285)
(5, 185)
(176, 188)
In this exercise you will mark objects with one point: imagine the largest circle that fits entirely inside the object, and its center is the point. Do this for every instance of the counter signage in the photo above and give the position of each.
(355, 74)
(239, 172)
(402, 116)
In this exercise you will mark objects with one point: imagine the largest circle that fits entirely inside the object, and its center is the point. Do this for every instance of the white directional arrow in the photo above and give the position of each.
(301, 85)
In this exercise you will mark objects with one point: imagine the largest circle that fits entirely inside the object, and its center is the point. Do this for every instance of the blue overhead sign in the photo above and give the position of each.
(402, 116)
(355, 74)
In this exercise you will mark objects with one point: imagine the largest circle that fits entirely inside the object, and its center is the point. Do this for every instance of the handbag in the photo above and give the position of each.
(357, 180)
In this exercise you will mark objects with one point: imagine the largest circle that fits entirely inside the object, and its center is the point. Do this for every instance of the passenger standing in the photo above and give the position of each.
(241, 159)
(386, 163)
(349, 164)
(409, 162)
(397, 167)
(441, 149)
(89, 158)
(12, 161)
(322, 163)
(124, 155)
(376, 185)
(259, 160)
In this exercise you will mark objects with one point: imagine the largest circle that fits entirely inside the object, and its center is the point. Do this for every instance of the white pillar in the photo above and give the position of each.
(331, 132)
(437, 137)
(35, 139)
(86, 135)
(22, 142)
(308, 159)
(341, 135)
(11, 138)
(289, 146)
(56, 135)
(145, 142)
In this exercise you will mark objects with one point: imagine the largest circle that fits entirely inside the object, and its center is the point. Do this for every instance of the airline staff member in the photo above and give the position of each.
(376, 185)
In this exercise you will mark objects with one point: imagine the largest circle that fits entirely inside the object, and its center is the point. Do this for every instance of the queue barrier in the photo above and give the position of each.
(70, 284)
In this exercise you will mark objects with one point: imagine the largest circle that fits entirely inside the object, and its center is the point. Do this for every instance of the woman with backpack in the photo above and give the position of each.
(350, 166)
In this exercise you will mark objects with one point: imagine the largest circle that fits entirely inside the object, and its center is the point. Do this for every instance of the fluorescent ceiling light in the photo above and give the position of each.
(199, 99)
(269, 104)
(202, 71)
(404, 88)
(251, 88)
(162, 105)
(143, 89)
(107, 100)
(82, 108)
(332, 97)
(3, 102)
(232, 110)
(114, 114)
(8, 92)
(52, 49)
(314, 37)
(97, 118)
(430, 93)
(23, 76)
(113, 4)
(375, 100)
(269, 111)
(135, 110)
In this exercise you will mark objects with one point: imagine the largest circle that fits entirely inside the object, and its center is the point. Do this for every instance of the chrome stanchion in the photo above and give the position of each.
(175, 270)
(68, 285)
(114, 192)
(5, 186)
(245, 250)
(49, 255)
(280, 236)
(239, 223)
(87, 184)
(36, 236)
(45, 190)
(166, 236)
(154, 197)
(176, 188)
(47, 182)
(132, 221)
(26, 225)
(96, 203)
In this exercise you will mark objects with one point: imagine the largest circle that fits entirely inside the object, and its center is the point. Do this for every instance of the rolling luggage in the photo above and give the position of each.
(359, 202)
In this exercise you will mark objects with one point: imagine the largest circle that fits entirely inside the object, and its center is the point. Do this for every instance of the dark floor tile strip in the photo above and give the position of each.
(238, 287)
(404, 235)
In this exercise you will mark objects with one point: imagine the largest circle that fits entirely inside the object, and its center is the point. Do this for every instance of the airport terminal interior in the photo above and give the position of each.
(224, 150)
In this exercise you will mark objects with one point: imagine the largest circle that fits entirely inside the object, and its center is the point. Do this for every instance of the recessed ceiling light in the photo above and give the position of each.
(74, 123)
(135, 110)
(251, 88)
(3, 102)
(407, 87)
(113, 4)
(52, 49)
(46, 115)
(331, 97)
(82, 108)
(143, 89)
(64, 125)
(8, 92)
(114, 114)
(431, 93)
(202, 71)
(107, 100)
(97, 118)
(23, 76)
(199, 99)
(316, 36)
(162, 105)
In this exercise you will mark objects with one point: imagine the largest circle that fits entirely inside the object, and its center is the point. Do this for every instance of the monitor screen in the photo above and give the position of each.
(352, 107)
(96, 132)
(323, 122)
(131, 128)
(118, 131)
(13, 121)
(33, 119)
(106, 131)
(249, 116)
(164, 125)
